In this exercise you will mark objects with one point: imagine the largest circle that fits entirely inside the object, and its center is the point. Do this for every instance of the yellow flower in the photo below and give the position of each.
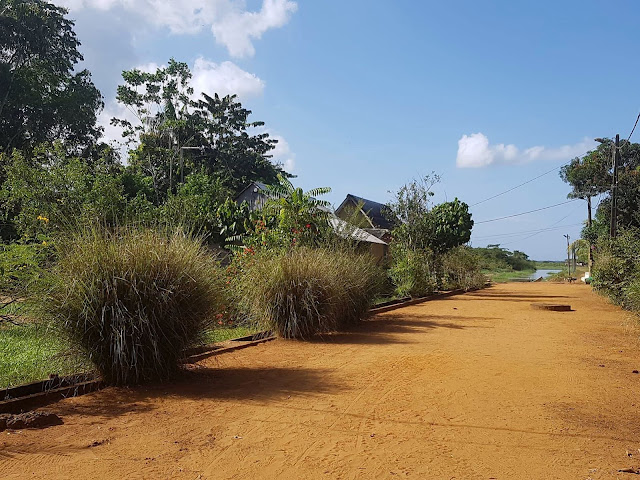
(42, 218)
(44, 243)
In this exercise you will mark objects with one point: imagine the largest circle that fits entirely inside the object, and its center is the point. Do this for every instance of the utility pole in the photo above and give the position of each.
(589, 258)
(614, 189)
(568, 255)
(171, 174)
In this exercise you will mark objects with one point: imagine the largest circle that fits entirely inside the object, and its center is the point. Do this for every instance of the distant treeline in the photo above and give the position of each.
(494, 258)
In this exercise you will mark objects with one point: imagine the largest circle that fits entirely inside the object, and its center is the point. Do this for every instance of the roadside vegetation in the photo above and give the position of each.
(615, 252)
(502, 265)
(120, 264)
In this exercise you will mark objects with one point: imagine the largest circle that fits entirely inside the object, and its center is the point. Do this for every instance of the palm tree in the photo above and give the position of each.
(293, 205)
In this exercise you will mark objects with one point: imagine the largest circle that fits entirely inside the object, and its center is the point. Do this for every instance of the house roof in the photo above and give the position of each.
(258, 185)
(373, 210)
(346, 230)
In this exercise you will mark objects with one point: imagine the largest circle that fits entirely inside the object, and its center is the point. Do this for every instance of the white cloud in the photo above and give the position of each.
(224, 78)
(282, 153)
(475, 151)
(237, 29)
(113, 134)
(229, 21)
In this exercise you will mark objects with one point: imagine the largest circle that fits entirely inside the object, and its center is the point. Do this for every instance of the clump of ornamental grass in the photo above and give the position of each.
(134, 299)
(307, 291)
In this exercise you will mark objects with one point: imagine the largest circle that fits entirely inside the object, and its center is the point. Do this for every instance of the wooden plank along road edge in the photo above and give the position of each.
(37, 394)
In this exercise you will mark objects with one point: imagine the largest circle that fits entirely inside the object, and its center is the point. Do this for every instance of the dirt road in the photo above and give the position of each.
(472, 386)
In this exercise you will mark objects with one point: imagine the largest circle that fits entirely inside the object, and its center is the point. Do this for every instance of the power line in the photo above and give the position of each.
(533, 179)
(525, 213)
(525, 232)
(634, 128)
(552, 225)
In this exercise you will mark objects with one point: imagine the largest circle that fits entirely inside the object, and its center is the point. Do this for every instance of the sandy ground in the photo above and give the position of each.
(472, 386)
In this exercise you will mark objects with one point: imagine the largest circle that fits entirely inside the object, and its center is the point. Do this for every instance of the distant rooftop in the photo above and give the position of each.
(374, 210)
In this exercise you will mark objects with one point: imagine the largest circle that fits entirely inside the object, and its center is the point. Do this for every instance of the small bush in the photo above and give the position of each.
(307, 291)
(461, 269)
(617, 267)
(609, 276)
(133, 299)
(632, 295)
(413, 272)
(22, 265)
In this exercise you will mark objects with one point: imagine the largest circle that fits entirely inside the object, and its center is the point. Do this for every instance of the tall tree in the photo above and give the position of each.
(591, 175)
(236, 150)
(422, 226)
(163, 122)
(42, 98)
(178, 135)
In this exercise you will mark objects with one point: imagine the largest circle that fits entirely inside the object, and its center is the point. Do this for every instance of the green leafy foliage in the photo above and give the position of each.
(50, 191)
(22, 266)
(233, 220)
(450, 225)
(413, 271)
(494, 258)
(461, 269)
(178, 136)
(196, 203)
(617, 267)
(290, 218)
(424, 233)
(423, 226)
(42, 97)
(409, 211)
(589, 176)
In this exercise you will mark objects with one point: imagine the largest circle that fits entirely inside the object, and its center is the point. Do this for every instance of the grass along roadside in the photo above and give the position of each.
(31, 352)
(218, 335)
(550, 265)
(502, 276)
(562, 275)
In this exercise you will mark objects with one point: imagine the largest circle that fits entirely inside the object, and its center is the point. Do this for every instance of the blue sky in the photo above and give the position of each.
(364, 96)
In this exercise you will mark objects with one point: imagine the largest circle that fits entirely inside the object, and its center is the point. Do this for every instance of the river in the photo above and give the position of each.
(543, 273)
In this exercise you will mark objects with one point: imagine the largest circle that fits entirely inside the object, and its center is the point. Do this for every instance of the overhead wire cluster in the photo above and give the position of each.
(530, 233)
(550, 227)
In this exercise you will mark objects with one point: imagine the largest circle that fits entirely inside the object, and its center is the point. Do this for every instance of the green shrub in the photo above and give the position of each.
(21, 265)
(413, 272)
(134, 299)
(617, 267)
(307, 291)
(609, 276)
(461, 269)
(632, 295)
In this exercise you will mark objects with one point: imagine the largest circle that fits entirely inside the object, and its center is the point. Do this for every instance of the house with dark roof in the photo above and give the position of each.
(372, 217)
(256, 195)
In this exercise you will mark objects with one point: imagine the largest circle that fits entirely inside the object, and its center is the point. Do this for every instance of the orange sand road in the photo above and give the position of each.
(473, 386)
